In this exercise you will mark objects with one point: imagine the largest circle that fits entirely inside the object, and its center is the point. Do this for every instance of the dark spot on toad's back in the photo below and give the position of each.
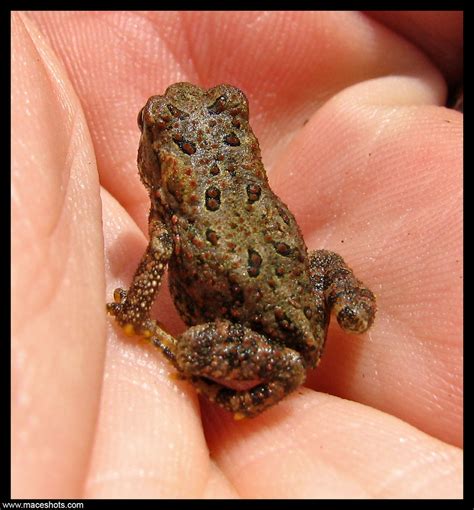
(211, 236)
(215, 170)
(218, 106)
(254, 263)
(283, 249)
(185, 146)
(253, 192)
(213, 198)
(232, 140)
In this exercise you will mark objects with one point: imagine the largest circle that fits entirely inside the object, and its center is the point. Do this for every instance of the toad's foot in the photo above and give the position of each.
(351, 301)
(149, 329)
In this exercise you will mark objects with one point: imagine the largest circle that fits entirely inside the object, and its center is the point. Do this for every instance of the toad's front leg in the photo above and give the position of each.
(131, 308)
(216, 352)
(352, 303)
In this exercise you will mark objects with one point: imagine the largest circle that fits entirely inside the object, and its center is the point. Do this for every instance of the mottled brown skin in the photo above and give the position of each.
(257, 304)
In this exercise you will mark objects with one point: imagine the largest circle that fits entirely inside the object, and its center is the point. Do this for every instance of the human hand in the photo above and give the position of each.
(355, 140)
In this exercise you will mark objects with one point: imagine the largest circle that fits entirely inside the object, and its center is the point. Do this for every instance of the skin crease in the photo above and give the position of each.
(355, 140)
(440, 34)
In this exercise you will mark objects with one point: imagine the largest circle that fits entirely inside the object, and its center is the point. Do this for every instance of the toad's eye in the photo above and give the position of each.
(140, 119)
(218, 106)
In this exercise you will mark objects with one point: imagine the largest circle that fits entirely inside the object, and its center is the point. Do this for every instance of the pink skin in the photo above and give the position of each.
(355, 141)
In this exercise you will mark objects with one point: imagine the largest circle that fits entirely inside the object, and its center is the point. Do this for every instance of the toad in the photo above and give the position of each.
(257, 304)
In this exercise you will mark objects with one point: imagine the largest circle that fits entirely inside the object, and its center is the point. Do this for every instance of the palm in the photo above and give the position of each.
(371, 171)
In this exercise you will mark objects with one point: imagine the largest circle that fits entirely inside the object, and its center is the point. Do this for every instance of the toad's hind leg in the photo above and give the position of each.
(350, 300)
(222, 351)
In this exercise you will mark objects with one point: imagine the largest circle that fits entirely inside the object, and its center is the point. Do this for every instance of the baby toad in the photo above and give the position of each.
(256, 302)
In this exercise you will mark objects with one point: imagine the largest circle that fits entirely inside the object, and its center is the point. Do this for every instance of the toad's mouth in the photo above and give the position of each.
(234, 384)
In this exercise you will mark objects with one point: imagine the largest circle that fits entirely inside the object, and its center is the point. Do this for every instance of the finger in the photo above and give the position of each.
(58, 318)
(314, 445)
(382, 186)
